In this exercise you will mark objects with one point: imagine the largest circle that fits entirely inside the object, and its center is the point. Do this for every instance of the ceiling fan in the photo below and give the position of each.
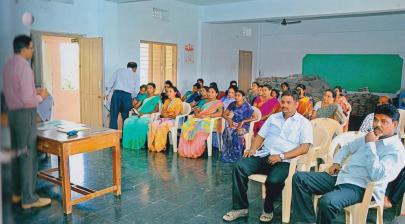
(284, 22)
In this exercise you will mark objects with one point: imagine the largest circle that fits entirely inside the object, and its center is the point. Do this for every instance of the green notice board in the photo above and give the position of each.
(379, 72)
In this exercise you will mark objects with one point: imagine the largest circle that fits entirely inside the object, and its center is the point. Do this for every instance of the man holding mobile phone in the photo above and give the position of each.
(284, 136)
(377, 157)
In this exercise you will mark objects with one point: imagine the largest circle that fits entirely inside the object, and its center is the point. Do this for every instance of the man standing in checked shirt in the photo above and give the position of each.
(125, 84)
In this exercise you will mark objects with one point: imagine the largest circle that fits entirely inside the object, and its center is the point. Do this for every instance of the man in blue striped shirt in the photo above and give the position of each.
(377, 157)
(125, 84)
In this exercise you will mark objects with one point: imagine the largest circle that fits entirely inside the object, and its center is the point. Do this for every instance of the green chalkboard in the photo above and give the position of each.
(379, 72)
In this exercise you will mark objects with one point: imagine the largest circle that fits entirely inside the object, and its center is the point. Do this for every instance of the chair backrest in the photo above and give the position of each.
(401, 123)
(320, 136)
(341, 140)
(186, 109)
(320, 144)
(332, 126)
(258, 114)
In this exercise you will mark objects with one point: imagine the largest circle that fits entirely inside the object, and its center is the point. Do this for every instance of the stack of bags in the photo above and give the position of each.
(362, 103)
(315, 85)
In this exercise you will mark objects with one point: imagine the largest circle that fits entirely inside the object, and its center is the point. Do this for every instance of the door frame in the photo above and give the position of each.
(251, 64)
(37, 62)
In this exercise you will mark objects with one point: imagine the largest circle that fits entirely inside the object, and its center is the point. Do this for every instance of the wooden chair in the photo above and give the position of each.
(301, 163)
(250, 134)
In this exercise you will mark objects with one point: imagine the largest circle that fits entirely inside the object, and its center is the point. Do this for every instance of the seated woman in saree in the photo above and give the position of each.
(192, 95)
(238, 115)
(342, 101)
(157, 134)
(163, 95)
(304, 103)
(228, 99)
(253, 92)
(136, 126)
(327, 108)
(196, 130)
(267, 104)
(204, 96)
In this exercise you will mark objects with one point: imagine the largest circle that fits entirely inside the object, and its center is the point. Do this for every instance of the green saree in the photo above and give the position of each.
(136, 128)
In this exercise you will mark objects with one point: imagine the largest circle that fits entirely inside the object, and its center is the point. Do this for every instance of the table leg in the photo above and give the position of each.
(116, 164)
(66, 189)
(59, 167)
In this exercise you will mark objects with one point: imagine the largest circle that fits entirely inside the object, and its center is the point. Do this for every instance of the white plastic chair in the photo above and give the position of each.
(301, 163)
(332, 128)
(249, 135)
(219, 120)
(403, 205)
(357, 213)
(287, 191)
(177, 125)
(401, 124)
(339, 141)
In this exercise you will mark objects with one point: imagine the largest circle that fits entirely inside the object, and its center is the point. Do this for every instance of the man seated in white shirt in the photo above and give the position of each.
(377, 157)
(284, 136)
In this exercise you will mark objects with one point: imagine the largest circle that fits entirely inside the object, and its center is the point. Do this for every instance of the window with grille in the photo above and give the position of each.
(158, 63)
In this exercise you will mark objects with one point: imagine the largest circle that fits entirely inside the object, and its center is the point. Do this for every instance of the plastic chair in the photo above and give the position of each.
(402, 124)
(177, 125)
(218, 131)
(357, 213)
(249, 135)
(287, 191)
(403, 205)
(300, 163)
(333, 128)
(339, 141)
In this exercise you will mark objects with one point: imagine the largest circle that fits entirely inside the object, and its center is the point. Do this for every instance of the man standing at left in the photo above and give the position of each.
(22, 100)
(125, 84)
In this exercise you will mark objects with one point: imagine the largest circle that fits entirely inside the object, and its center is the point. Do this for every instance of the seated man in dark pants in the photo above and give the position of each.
(377, 157)
(284, 136)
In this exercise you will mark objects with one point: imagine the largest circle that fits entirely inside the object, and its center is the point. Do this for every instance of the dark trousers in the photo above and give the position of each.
(23, 130)
(276, 176)
(335, 198)
(396, 188)
(121, 102)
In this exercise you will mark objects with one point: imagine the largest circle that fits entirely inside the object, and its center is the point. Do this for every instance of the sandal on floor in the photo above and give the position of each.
(266, 217)
(235, 214)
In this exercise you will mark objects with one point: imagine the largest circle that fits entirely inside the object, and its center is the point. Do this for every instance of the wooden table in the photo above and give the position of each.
(94, 139)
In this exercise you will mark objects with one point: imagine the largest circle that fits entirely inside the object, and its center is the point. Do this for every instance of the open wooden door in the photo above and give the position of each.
(91, 81)
(245, 70)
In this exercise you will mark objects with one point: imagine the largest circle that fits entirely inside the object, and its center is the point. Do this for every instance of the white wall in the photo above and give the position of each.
(283, 47)
(220, 51)
(136, 23)
(91, 18)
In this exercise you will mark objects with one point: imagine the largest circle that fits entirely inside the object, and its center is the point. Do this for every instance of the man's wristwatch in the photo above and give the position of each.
(282, 156)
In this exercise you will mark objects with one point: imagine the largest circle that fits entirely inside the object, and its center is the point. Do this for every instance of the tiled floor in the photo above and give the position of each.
(156, 188)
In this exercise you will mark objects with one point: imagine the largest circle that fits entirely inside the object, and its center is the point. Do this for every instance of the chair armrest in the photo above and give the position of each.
(212, 123)
(178, 117)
